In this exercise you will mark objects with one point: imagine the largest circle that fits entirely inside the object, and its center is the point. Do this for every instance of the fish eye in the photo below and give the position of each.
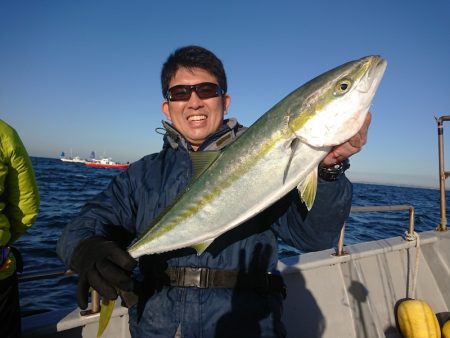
(342, 87)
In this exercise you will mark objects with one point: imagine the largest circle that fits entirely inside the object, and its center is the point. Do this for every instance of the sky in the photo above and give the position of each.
(78, 76)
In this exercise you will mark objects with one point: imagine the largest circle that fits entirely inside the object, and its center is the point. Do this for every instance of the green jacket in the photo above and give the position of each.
(19, 195)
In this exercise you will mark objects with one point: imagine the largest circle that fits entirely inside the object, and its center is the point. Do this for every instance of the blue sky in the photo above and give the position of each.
(84, 75)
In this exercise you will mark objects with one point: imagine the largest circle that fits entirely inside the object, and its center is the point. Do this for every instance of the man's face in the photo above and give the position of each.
(195, 118)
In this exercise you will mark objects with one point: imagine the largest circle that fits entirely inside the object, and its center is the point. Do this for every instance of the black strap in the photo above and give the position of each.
(214, 278)
(18, 257)
(3, 255)
(190, 277)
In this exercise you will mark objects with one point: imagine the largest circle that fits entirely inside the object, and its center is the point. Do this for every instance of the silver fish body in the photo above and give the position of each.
(279, 152)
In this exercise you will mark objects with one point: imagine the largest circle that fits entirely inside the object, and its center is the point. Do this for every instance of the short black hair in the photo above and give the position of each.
(192, 57)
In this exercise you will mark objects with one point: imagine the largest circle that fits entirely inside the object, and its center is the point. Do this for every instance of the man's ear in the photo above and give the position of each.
(226, 102)
(165, 109)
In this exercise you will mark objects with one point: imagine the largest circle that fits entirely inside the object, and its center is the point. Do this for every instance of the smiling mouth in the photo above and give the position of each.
(197, 118)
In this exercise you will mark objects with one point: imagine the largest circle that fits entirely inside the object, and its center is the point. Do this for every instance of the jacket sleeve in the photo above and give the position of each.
(109, 214)
(19, 195)
(319, 228)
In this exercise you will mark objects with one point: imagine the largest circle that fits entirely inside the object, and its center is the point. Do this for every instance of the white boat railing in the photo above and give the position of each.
(54, 273)
(44, 274)
(377, 208)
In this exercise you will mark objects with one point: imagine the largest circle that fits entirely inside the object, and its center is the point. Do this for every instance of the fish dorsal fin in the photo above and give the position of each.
(200, 247)
(201, 160)
(308, 188)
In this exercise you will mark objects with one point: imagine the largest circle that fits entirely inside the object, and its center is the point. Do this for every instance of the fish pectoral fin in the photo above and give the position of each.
(307, 189)
(201, 160)
(201, 247)
(293, 149)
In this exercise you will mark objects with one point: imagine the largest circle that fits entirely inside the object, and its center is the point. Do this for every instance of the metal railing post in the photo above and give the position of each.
(442, 226)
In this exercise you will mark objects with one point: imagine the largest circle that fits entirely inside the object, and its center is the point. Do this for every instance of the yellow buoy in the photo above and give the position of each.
(446, 329)
(416, 319)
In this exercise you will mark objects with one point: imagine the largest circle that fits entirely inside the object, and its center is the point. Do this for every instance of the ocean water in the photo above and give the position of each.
(64, 188)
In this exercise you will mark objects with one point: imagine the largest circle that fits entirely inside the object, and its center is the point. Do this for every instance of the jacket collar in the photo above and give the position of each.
(226, 133)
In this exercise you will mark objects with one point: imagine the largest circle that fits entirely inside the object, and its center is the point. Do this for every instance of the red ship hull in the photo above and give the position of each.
(102, 165)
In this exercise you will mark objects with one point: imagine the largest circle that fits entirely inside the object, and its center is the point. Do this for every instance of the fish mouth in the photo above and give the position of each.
(373, 76)
(377, 70)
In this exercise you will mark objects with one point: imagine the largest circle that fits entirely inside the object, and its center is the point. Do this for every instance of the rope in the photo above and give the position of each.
(414, 237)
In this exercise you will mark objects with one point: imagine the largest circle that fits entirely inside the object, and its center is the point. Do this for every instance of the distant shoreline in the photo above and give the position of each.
(401, 185)
(408, 181)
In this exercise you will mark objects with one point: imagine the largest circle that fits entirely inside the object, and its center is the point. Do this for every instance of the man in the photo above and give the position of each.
(19, 205)
(242, 293)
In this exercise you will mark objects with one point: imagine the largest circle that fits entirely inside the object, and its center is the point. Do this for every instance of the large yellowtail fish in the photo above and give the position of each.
(279, 152)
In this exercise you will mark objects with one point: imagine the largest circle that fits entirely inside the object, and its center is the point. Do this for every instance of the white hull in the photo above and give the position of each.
(328, 296)
(73, 160)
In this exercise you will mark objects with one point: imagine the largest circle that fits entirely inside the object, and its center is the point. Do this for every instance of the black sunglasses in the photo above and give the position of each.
(204, 90)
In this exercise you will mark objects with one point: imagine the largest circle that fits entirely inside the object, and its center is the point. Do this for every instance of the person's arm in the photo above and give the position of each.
(93, 244)
(109, 214)
(319, 228)
(19, 194)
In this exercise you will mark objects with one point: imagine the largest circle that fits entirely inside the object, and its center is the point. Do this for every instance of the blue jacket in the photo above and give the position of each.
(135, 197)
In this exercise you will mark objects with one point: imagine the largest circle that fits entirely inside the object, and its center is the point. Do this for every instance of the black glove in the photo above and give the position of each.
(102, 264)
